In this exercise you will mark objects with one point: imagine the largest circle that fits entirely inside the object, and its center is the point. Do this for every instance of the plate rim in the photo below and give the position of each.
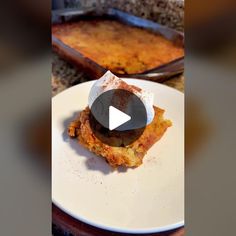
(120, 229)
(104, 226)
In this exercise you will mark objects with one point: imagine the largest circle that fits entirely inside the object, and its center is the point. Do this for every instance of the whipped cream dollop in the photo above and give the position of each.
(109, 81)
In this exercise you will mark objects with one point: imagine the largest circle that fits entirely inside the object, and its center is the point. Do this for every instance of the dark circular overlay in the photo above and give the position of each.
(126, 102)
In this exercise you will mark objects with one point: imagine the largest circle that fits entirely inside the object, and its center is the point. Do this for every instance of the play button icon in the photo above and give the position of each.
(118, 117)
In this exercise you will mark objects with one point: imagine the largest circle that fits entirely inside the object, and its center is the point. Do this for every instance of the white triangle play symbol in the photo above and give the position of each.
(117, 118)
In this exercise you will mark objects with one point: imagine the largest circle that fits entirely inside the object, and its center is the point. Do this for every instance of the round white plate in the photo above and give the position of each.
(147, 199)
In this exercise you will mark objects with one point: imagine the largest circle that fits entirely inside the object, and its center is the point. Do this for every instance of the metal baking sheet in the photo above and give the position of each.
(159, 74)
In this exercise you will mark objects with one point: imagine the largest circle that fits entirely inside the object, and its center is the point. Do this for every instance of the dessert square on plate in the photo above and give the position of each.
(87, 188)
(118, 148)
(129, 156)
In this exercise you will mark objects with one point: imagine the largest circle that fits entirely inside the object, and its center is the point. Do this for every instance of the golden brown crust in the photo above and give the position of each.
(129, 156)
(118, 47)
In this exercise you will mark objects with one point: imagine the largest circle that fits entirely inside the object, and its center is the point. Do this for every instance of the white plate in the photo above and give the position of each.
(147, 199)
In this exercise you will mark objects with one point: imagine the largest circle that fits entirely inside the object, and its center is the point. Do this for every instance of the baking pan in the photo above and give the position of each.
(159, 74)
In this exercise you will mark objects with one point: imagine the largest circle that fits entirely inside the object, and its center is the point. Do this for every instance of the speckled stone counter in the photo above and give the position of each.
(165, 12)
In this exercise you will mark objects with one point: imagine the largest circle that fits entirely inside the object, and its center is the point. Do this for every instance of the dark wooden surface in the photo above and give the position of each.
(63, 224)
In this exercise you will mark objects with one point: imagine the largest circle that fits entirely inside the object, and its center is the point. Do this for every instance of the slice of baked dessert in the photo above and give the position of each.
(120, 154)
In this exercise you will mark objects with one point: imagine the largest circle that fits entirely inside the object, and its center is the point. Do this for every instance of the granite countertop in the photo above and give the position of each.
(65, 75)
